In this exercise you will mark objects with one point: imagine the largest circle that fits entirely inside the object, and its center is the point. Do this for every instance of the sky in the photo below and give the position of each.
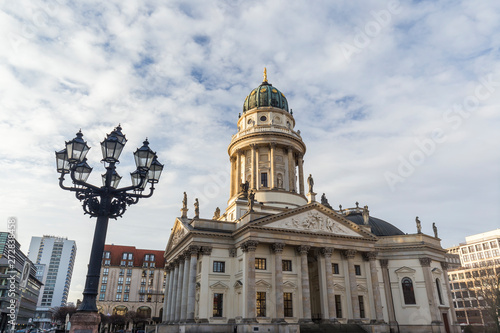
(397, 102)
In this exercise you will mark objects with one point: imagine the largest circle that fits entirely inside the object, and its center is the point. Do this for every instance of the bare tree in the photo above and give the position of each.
(486, 287)
(59, 313)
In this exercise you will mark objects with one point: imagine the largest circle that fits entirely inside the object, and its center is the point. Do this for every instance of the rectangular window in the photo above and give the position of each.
(152, 257)
(107, 262)
(486, 246)
(357, 269)
(120, 280)
(496, 253)
(151, 264)
(119, 289)
(104, 279)
(473, 256)
(101, 296)
(466, 258)
(127, 289)
(129, 272)
(123, 263)
(338, 306)
(125, 297)
(261, 304)
(288, 304)
(146, 257)
(464, 250)
(103, 288)
(335, 268)
(130, 263)
(122, 271)
(478, 247)
(287, 265)
(127, 281)
(263, 179)
(494, 244)
(471, 249)
(219, 267)
(124, 256)
(260, 263)
(118, 297)
(361, 307)
(141, 298)
(105, 271)
(130, 257)
(487, 254)
(217, 310)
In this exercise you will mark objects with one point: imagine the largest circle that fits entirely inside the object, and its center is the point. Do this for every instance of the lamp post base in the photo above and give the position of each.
(85, 322)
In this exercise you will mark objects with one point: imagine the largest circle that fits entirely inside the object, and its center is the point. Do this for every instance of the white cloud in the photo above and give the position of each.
(178, 73)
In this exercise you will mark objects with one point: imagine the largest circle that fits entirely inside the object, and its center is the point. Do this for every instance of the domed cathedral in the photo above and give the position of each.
(266, 155)
(277, 260)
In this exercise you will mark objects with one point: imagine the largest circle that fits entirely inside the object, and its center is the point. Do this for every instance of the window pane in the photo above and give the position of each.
(260, 263)
(261, 304)
(408, 293)
(288, 304)
(217, 309)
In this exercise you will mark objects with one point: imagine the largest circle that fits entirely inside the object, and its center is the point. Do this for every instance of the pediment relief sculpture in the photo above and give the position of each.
(314, 221)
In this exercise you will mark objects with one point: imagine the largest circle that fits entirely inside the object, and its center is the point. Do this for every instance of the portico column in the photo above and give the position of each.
(429, 287)
(384, 264)
(349, 254)
(249, 248)
(327, 253)
(238, 171)
(253, 169)
(179, 289)
(444, 266)
(232, 177)
(291, 170)
(278, 281)
(372, 257)
(174, 291)
(166, 293)
(301, 174)
(273, 183)
(170, 288)
(185, 282)
(193, 252)
(304, 277)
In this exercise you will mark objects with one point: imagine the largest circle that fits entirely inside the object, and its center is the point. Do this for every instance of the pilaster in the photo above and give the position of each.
(304, 277)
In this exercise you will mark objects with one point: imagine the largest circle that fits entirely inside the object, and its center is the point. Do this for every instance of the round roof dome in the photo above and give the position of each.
(265, 95)
(379, 227)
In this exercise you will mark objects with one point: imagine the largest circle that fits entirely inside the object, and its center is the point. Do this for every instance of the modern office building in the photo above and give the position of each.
(132, 280)
(19, 286)
(54, 258)
(480, 258)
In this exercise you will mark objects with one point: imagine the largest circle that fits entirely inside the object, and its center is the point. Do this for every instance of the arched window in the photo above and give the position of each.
(408, 293)
(438, 286)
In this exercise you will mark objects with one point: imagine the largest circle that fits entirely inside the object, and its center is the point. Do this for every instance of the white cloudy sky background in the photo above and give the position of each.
(178, 73)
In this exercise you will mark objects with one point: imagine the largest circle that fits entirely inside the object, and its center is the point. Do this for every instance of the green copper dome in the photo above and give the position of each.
(265, 95)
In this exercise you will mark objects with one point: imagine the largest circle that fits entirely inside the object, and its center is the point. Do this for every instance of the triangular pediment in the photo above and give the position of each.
(437, 271)
(179, 231)
(405, 270)
(289, 285)
(263, 284)
(314, 219)
(337, 286)
(219, 285)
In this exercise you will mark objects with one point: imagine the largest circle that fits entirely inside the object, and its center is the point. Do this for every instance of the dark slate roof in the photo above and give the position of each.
(379, 227)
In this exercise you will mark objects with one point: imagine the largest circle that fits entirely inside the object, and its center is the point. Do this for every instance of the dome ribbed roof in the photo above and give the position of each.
(265, 95)
(379, 227)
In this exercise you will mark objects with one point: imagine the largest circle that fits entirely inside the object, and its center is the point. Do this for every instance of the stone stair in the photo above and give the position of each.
(331, 328)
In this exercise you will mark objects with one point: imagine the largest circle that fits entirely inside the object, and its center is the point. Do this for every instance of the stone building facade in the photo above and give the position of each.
(132, 280)
(277, 260)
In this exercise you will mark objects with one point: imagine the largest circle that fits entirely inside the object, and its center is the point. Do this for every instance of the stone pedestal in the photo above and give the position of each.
(311, 197)
(85, 322)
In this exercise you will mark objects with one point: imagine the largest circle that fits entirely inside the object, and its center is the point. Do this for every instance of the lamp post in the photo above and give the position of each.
(104, 202)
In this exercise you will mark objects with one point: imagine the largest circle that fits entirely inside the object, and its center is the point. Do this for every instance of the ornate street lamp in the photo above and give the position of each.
(107, 201)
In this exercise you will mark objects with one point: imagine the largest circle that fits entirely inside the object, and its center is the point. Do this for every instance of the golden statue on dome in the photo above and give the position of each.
(265, 75)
